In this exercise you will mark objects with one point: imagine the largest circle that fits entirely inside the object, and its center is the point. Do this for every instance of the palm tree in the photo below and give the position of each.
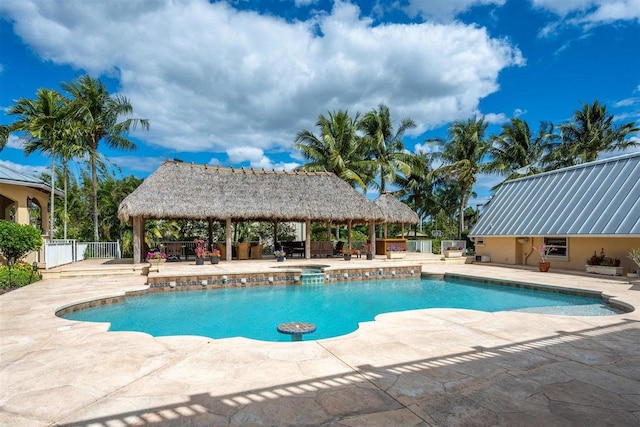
(337, 149)
(515, 152)
(387, 149)
(591, 132)
(462, 159)
(42, 120)
(4, 135)
(416, 189)
(97, 113)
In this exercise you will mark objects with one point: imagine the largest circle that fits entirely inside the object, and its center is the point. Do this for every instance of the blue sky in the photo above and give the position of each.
(231, 83)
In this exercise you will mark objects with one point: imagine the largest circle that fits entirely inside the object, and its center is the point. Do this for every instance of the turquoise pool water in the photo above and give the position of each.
(334, 308)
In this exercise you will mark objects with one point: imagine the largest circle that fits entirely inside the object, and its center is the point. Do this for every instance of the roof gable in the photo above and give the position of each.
(597, 198)
(11, 177)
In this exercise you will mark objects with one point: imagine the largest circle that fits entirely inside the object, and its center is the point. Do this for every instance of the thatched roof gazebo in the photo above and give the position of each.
(178, 190)
(395, 212)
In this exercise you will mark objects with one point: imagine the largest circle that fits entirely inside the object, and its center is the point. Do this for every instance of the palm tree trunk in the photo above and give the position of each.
(463, 202)
(94, 191)
(53, 191)
(65, 172)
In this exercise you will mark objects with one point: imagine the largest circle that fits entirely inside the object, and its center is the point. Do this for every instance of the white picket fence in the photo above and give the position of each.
(59, 252)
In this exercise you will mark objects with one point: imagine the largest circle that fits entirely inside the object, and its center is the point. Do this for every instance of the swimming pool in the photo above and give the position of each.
(335, 309)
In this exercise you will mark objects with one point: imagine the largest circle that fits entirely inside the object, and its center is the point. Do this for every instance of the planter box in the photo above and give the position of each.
(396, 254)
(452, 254)
(607, 271)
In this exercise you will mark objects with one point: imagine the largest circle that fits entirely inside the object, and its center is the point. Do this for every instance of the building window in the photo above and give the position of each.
(35, 213)
(478, 241)
(560, 245)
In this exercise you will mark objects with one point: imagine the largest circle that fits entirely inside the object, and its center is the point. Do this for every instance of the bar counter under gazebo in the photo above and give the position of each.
(395, 212)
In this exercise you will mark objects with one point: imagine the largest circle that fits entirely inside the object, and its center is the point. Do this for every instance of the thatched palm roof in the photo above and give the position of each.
(395, 212)
(180, 190)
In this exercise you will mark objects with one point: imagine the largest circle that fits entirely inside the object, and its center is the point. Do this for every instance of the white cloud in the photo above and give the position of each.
(519, 112)
(256, 159)
(208, 76)
(495, 119)
(15, 142)
(302, 3)
(627, 102)
(34, 171)
(589, 13)
(137, 163)
(445, 10)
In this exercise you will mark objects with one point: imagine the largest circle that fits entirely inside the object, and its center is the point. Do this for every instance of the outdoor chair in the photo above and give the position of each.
(223, 251)
(174, 251)
(256, 251)
(242, 250)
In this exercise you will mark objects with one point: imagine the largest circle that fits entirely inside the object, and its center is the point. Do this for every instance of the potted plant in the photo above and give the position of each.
(602, 264)
(543, 251)
(199, 250)
(348, 253)
(634, 255)
(396, 252)
(157, 258)
(453, 252)
(215, 256)
(279, 254)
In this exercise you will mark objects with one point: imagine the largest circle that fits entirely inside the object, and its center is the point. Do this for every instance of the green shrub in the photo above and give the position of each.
(21, 274)
(17, 240)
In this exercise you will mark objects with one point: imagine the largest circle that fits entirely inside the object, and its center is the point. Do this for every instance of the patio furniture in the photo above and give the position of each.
(242, 250)
(256, 251)
(223, 251)
(322, 249)
(293, 248)
(174, 251)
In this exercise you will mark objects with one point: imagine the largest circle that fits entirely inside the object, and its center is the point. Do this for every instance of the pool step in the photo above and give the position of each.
(75, 270)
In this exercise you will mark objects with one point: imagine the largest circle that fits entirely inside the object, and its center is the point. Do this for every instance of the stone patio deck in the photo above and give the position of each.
(413, 368)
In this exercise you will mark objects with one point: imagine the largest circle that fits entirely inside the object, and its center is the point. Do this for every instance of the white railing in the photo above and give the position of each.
(60, 252)
(423, 246)
(87, 250)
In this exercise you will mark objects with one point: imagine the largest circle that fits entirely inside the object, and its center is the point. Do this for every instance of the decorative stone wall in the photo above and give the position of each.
(242, 280)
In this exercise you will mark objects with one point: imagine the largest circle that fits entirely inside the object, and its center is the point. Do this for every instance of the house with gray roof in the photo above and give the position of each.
(24, 198)
(578, 210)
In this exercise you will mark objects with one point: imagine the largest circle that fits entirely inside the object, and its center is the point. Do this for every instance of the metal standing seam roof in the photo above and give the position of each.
(597, 198)
(12, 177)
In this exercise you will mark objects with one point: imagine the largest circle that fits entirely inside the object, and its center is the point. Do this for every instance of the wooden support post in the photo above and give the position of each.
(138, 239)
(307, 239)
(210, 230)
(372, 236)
(227, 232)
